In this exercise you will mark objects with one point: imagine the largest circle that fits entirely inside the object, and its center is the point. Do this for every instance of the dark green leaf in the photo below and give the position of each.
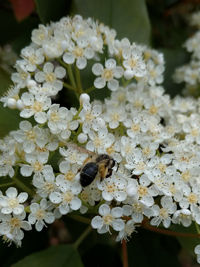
(149, 249)
(128, 17)
(59, 256)
(19, 34)
(9, 119)
(51, 10)
(187, 243)
(174, 58)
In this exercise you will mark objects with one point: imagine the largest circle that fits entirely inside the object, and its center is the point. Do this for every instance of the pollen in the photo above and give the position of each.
(163, 213)
(107, 74)
(13, 202)
(37, 106)
(142, 191)
(40, 214)
(31, 135)
(132, 63)
(69, 176)
(54, 116)
(78, 52)
(135, 127)
(192, 198)
(108, 219)
(15, 223)
(153, 110)
(50, 77)
(68, 196)
(38, 166)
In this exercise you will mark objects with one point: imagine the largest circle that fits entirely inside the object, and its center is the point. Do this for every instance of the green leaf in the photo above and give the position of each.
(59, 256)
(148, 249)
(187, 243)
(9, 119)
(18, 34)
(51, 10)
(128, 17)
(174, 58)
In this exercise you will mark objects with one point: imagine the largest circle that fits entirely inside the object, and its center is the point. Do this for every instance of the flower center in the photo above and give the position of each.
(185, 176)
(13, 202)
(50, 77)
(68, 196)
(108, 219)
(54, 116)
(163, 213)
(111, 188)
(38, 166)
(37, 106)
(153, 110)
(69, 176)
(135, 127)
(142, 191)
(132, 62)
(31, 135)
(107, 74)
(192, 198)
(78, 52)
(40, 214)
(15, 223)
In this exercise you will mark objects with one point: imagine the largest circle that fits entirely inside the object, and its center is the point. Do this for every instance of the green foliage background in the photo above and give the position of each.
(161, 24)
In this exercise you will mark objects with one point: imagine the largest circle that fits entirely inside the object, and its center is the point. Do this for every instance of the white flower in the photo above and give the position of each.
(163, 214)
(133, 63)
(11, 203)
(30, 137)
(108, 74)
(197, 251)
(113, 187)
(40, 214)
(79, 53)
(109, 217)
(125, 233)
(11, 227)
(35, 105)
(33, 57)
(51, 76)
(67, 198)
(99, 142)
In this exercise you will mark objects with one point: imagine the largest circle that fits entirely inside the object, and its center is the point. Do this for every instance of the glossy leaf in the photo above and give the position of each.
(51, 10)
(128, 17)
(59, 256)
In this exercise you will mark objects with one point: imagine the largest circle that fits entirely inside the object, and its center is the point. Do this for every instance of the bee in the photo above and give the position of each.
(101, 165)
(95, 165)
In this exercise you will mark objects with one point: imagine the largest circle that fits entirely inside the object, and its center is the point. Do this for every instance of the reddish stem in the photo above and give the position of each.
(124, 254)
(167, 232)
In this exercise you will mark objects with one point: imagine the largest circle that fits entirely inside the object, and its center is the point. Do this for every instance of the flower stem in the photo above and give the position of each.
(89, 90)
(78, 80)
(124, 253)
(6, 184)
(68, 86)
(145, 225)
(82, 237)
(76, 116)
(197, 228)
(71, 75)
(79, 218)
(23, 186)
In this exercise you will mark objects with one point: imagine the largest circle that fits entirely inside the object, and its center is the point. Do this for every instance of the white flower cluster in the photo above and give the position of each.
(190, 73)
(154, 140)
